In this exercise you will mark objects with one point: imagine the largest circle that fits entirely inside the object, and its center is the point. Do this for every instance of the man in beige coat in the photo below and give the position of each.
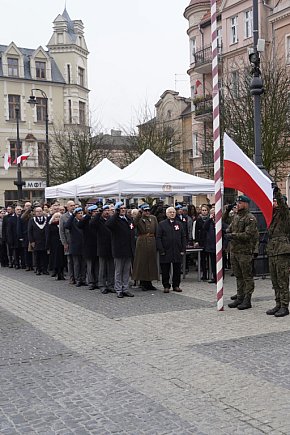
(145, 261)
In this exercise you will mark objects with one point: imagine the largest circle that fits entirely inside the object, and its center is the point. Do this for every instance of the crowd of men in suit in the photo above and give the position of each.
(102, 246)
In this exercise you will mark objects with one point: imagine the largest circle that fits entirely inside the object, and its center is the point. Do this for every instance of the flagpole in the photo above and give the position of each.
(217, 160)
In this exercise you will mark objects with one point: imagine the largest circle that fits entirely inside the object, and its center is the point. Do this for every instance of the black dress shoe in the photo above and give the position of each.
(234, 297)
(45, 272)
(282, 312)
(127, 293)
(53, 275)
(92, 287)
(120, 295)
(38, 273)
(104, 291)
(151, 287)
(212, 281)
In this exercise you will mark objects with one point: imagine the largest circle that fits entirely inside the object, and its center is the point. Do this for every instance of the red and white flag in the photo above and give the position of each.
(21, 158)
(7, 161)
(242, 174)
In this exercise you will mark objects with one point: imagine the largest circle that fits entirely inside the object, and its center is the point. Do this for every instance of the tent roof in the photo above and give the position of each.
(101, 171)
(149, 175)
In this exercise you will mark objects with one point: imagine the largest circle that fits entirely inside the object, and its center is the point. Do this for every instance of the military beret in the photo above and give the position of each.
(178, 207)
(92, 208)
(145, 207)
(78, 209)
(243, 198)
(105, 207)
(118, 205)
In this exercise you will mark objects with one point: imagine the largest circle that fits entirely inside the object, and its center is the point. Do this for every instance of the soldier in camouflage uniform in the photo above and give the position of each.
(244, 235)
(278, 250)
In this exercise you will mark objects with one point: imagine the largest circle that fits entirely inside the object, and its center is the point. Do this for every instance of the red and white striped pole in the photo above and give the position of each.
(217, 159)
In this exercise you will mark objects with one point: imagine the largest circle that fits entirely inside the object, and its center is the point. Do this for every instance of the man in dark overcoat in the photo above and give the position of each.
(77, 246)
(123, 247)
(171, 244)
(90, 246)
(15, 237)
(145, 261)
(9, 214)
(104, 250)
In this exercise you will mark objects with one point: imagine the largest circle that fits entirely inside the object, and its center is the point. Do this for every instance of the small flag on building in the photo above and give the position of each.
(21, 158)
(7, 161)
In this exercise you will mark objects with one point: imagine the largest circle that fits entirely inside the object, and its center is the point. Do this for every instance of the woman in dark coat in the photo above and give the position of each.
(54, 246)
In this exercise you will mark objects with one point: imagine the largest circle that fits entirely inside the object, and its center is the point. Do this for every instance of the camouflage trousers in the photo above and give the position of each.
(243, 271)
(279, 270)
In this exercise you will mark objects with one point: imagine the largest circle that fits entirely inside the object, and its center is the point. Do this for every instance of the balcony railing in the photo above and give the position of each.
(203, 106)
(204, 56)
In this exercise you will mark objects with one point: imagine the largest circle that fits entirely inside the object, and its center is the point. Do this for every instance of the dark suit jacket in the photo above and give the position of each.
(170, 241)
(104, 245)
(123, 236)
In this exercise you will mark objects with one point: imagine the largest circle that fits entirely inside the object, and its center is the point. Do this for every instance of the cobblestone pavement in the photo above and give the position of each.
(74, 361)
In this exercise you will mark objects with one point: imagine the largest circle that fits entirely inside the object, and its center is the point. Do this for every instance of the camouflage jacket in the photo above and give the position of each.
(279, 229)
(244, 233)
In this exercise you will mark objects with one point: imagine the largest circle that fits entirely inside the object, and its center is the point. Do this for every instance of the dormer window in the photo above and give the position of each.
(40, 68)
(13, 68)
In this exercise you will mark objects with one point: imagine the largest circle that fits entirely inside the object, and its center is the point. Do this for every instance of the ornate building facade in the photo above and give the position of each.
(56, 76)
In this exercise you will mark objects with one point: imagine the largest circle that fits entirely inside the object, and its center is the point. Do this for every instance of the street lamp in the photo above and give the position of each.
(257, 89)
(19, 182)
(33, 102)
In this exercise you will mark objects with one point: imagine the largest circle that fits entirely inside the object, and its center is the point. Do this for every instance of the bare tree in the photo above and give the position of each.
(74, 152)
(160, 136)
(237, 115)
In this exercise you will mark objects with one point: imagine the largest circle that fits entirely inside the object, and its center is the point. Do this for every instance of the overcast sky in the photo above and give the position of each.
(136, 49)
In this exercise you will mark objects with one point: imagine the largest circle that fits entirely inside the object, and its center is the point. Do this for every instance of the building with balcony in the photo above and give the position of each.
(61, 73)
(235, 41)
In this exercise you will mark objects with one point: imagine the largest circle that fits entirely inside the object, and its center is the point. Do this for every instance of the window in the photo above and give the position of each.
(13, 150)
(82, 113)
(288, 49)
(194, 145)
(192, 50)
(40, 109)
(41, 146)
(248, 20)
(69, 112)
(235, 84)
(234, 29)
(40, 68)
(12, 67)
(13, 104)
(68, 74)
(81, 73)
(219, 40)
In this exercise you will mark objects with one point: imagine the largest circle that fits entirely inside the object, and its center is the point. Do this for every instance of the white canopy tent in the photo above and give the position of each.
(148, 175)
(102, 171)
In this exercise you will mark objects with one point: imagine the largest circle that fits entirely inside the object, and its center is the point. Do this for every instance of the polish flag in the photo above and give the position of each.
(242, 174)
(197, 84)
(7, 161)
(21, 158)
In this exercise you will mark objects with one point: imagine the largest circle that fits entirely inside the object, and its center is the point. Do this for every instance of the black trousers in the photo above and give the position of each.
(176, 275)
(41, 259)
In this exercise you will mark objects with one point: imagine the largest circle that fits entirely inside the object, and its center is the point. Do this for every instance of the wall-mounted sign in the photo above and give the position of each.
(34, 184)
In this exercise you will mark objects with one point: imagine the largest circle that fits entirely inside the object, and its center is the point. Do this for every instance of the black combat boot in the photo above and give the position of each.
(246, 304)
(284, 311)
(272, 311)
(235, 303)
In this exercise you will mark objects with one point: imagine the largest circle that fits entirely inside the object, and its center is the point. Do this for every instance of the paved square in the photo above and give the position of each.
(74, 361)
